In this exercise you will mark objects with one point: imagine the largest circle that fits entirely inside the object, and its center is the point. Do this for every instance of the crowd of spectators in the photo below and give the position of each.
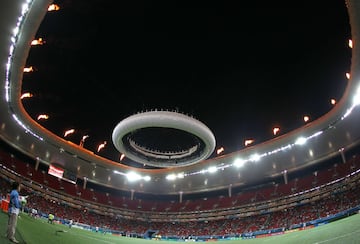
(319, 194)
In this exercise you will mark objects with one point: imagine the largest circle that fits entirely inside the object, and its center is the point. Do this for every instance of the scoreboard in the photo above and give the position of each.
(61, 173)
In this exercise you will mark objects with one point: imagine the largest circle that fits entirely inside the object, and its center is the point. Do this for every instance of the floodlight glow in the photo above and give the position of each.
(203, 171)
(26, 95)
(29, 69)
(300, 141)
(356, 99)
(238, 163)
(147, 178)
(248, 142)
(53, 7)
(42, 116)
(255, 157)
(132, 176)
(171, 177)
(348, 111)
(276, 130)
(68, 132)
(122, 156)
(220, 150)
(101, 146)
(118, 172)
(16, 30)
(212, 169)
(317, 133)
(39, 41)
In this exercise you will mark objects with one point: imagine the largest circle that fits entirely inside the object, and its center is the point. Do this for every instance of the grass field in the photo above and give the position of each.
(38, 231)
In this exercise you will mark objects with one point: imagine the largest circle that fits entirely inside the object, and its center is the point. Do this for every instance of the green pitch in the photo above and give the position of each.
(37, 231)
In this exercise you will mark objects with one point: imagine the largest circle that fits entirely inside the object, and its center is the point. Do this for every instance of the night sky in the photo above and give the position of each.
(240, 67)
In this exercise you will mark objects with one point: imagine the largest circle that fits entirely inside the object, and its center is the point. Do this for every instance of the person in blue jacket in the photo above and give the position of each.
(13, 211)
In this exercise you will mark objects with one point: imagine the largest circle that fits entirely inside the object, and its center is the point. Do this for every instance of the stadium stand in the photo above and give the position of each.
(318, 193)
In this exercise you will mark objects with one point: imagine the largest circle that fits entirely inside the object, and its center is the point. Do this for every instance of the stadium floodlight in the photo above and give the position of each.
(212, 169)
(255, 157)
(175, 176)
(356, 99)
(132, 176)
(239, 162)
(300, 141)
(147, 178)
(171, 177)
